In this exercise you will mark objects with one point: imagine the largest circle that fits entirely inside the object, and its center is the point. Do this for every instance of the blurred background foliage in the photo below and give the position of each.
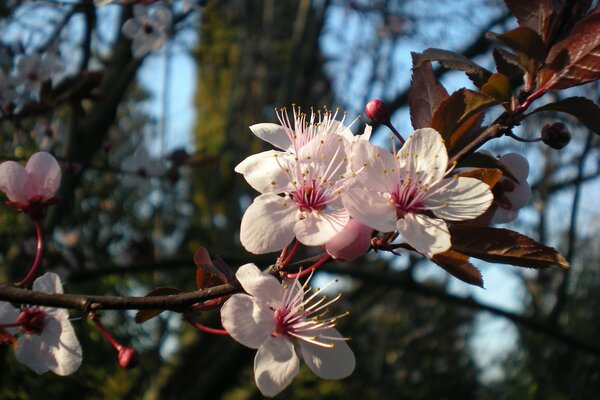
(129, 220)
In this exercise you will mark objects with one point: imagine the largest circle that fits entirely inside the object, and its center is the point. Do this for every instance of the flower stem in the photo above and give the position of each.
(520, 139)
(39, 251)
(290, 255)
(310, 269)
(106, 333)
(207, 329)
(395, 132)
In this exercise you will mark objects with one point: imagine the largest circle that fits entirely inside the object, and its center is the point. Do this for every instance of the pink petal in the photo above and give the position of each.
(274, 134)
(517, 164)
(425, 154)
(317, 227)
(265, 171)
(248, 321)
(520, 196)
(263, 287)
(13, 181)
(428, 236)
(370, 208)
(459, 199)
(374, 166)
(352, 242)
(44, 174)
(329, 363)
(275, 365)
(267, 225)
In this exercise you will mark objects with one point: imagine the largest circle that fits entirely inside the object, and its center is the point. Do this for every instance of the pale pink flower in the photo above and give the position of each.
(283, 325)
(46, 340)
(36, 183)
(409, 191)
(148, 30)
(8, 93)
(511, 196)
(302, 200)
(32, 71)
(352, 242)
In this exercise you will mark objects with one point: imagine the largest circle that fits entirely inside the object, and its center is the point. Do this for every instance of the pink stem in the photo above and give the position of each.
(291, 255)
(207, 329)
(11, 325)
(313, 267)
(39, 251)
(107, 334)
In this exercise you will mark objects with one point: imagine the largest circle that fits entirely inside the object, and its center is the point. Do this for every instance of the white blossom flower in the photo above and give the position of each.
(302, 200)
(8, 93)
(509, 195)
(36, 183)
(32, 71)
(140, 169)
(46, 340)
(147, 29)
(283, 325)
(408, 192)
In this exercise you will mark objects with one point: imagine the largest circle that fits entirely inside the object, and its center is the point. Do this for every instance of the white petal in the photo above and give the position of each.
(520, 196)
(275, 365)
(502, 216)
(274, 134)
(68, 352)
(370, 208)
(35, 353)
(424, 153)
(318, 227)
(247, 320)
(49, 283)
(517, 164)
(263, 287)
(265, 171)
(161, 16)
(13, 180)
(8, 315)
(374, 166)
(44, 174)
(140, 46)
(140, 10)
(428, 236)
(267, 225)
(131, 27)
(459, 198)
(329, 363)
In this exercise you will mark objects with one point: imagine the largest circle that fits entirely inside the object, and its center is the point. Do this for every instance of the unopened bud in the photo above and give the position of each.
(352, 242)
(128, 357)
(556, 135)
(377, 111)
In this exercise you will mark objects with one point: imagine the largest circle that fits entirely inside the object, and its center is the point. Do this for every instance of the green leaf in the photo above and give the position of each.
(498, 87)
(144, 315)
(504, 246)
(451, 60)
(582, 108)
(425, 93)
(457, 265)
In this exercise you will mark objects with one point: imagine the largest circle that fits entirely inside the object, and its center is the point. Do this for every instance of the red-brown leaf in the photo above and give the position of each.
(451, 60)
(458, 265)
(144, 315)
(505, 247)
(534, 14)
(425, 94)
(581, 108)
(498, 87)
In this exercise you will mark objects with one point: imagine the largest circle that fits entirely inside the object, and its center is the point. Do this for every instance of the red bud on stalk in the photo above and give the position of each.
(556, 135)
(377, 111)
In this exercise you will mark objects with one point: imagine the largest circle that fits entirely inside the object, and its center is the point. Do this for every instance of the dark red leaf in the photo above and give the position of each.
(144, 315)
(508, 64)
(425, 94)
(504, 246)
(582, 108)
(482, 160)
(498, 87)
(451, 60)
(534, 14)
(458, 265)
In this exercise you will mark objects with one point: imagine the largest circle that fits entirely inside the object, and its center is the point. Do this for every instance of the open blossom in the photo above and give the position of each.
(302, 200)
(34, 184)
(46, 340)
(409, 191)
(283, 325)
(510, 196)
(147, 30)
(32, 71)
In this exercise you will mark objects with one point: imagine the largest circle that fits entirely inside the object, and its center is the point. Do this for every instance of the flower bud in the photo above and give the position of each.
(128, 357)
(352, 242)
(556, 135)
(377, 111)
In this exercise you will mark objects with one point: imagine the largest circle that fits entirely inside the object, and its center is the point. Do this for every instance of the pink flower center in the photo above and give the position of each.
(408, 198)
(32, 320)
(310, 197)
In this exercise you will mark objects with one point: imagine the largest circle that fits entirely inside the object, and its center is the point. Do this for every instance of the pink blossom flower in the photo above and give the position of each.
(283, 325)
(509, 195)
(352, 242)
(32, 71)
(46, 340)
(147, 30)
(409, 191)
(302, 200)
(33, 185)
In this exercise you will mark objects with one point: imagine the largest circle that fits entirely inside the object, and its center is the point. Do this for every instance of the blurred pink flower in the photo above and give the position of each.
(511, 196)
(147, 29)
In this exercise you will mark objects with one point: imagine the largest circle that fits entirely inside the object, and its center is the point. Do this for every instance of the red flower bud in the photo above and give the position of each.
(128, 357)
(377, 111)
(556, 135)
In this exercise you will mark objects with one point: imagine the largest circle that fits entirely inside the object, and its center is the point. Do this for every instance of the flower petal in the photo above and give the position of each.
(131, 27)
(520, 196)
(329, 363)
(267, 225)
(517, 164)
(263, 287)
(67, 352)
(427, 235)
(248, 321)
(275, 365)
(44, 174)
(459, 198)
(13, 180)
(274, 134)
(265, 171)
(502, 216)
(374, 166)
(49, 283)
(8, 315)
(318, 227)
(424, 155)
(370, 208)
(34, 351)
